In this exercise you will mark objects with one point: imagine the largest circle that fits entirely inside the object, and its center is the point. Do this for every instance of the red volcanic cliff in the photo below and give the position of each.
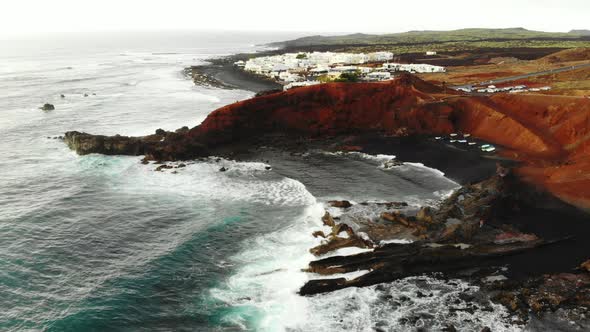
(331, 109)
(550, 134)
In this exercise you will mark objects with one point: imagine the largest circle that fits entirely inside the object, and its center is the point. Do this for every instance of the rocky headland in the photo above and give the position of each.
(545, 140)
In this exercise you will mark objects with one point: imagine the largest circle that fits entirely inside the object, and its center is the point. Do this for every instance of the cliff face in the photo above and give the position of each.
(333, 109)
(549, 134)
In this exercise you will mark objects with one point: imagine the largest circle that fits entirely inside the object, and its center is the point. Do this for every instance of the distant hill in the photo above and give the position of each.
(429, 36)
(581, 32)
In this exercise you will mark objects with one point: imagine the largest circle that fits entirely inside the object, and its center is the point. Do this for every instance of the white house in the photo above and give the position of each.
(378, 76)
(413, 68)
(379, 56)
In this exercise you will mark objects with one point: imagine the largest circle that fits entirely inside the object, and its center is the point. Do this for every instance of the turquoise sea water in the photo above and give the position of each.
(104, 243)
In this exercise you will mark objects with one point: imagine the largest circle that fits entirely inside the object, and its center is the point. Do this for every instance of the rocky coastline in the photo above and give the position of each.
(486, 224)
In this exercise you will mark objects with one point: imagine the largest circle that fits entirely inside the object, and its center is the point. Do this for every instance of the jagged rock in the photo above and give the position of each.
(318, 234)
(182, 130)
(545, 293)
(85, 95)
(339, 228)
(62, 96)
(84, 143)
(223, 169)
(425, 214)
(163, 167)
(175, 147)
(340, 204)
(268, 168)
(395, 217)
(389, 205)
(335, 243)
(181, 165)
(160, 132)
(328, 220)
(47, 107)
(395, 261)
(392, 163)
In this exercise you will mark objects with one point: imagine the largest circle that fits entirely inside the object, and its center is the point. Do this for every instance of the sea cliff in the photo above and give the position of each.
(547, 135)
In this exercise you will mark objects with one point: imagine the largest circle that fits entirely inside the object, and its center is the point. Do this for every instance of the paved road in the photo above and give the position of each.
(519, 77)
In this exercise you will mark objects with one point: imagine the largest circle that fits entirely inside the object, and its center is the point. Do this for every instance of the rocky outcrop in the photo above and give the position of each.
(396, 261)
(84, 143)
(163, 146)
(47, 107)
(451, 238)
(546, 293)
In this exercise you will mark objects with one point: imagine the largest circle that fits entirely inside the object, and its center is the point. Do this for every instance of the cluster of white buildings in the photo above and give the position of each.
(292, 67)
(302, 69)
(509, 89)
(414, 68)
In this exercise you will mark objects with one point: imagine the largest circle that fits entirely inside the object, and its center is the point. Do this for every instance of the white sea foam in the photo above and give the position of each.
(262, 293)
(243, 181)
(270, 276)
(396, 241)
(405, 305)
(429, 169)
(378, 158)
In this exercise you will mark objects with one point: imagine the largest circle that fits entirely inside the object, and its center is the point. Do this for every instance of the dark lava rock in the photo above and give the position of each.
(182, 130)
(223, 169)
(449, 328)
(85, 95)
(318, 234)
(62, 96)
(181, 165)
(392, 163)
(340, 204)
(547, 293)
(451, 240)
(160, 132)
(47, 107)
(267, 92)
(163, 167)
(268, 168)
(175, 147)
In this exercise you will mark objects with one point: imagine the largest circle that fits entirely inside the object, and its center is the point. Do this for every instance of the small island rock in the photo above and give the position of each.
(47, 107)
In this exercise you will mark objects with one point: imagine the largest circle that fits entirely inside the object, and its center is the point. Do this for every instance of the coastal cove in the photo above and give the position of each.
(169, 190)
(495, 232)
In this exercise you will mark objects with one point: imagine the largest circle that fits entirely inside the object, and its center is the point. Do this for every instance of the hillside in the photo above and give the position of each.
(428, 36)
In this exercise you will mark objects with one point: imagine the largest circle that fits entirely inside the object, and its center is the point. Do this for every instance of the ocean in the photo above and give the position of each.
(105, 243)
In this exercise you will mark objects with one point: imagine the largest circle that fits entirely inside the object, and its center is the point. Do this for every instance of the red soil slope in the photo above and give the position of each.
(550, 134)
(572, 54)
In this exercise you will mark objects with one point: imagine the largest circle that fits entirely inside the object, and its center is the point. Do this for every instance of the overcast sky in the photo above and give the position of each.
(19, 17)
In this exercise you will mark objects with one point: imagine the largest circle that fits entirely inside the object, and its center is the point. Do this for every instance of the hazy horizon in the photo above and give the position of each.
(41, 18)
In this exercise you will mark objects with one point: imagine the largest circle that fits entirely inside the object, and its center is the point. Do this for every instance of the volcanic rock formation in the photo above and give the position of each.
(549, 134)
